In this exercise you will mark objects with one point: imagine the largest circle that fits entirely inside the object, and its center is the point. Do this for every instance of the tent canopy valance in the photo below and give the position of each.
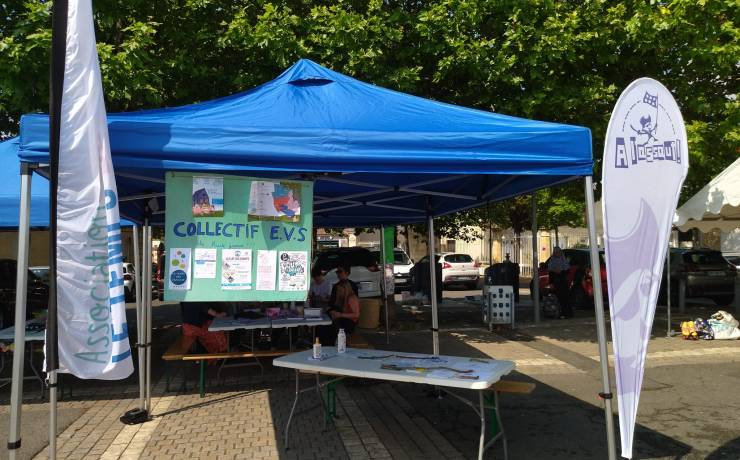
(377, 156)
(717, 205)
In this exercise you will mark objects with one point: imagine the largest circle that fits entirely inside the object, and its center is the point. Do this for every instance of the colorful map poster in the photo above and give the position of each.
(179, 269)
(208, 196)
(275, 201)
(293, 275)
(236, 269)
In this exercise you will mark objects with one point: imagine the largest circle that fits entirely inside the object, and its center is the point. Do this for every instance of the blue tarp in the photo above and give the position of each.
(376, 155)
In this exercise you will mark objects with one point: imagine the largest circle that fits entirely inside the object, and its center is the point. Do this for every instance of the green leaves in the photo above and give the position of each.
(543, 59)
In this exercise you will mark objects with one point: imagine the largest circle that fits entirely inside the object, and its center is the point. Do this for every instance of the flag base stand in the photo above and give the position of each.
(135, 417)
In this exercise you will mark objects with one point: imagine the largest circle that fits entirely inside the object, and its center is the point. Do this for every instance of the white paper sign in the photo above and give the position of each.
(293, 271)
(205, 263)
(236, 269)
(266, 270)
(179, 263)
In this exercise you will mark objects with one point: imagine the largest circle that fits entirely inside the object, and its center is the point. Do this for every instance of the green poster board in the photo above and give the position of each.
(234, 238)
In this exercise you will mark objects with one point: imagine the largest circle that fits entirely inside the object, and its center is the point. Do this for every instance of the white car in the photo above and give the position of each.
(402, 264)
(459, 269)
(364, 270)
(129, 281)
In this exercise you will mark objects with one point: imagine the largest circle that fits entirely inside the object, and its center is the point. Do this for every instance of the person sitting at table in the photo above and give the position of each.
(196, 317)
(345, 313)
(343, 272)
(321, 288)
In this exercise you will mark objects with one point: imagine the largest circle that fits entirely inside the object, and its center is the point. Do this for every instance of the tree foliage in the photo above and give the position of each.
(552, 60)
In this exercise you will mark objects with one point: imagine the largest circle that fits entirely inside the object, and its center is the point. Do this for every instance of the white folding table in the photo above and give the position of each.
(229, 323)
(444, 372)
(8, 335)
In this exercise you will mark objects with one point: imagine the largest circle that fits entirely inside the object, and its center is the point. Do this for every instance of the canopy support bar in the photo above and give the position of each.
(16, 389)
(433, 287)
(600, 322)
(535, 262)
(141, 196)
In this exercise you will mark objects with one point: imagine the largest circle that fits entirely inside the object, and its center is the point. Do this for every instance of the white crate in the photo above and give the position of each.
(498, 305)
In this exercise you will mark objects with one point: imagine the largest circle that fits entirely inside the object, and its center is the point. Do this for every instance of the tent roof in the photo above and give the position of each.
(717, 205)
(10, 188)
(377, 156)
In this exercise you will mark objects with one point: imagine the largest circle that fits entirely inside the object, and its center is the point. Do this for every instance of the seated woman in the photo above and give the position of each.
(345, 314)
(196, 317)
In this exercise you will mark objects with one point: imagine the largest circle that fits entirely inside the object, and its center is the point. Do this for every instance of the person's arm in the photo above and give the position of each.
(216, 314)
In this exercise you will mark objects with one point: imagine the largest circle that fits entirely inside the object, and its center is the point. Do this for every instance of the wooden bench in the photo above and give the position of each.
(356, 340)
(177, 352)
(512, 386)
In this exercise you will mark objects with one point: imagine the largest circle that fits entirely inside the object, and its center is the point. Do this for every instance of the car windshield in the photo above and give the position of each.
(399, 257)
(329, 260)
(458, 258)
(734, 260)
(704, 258)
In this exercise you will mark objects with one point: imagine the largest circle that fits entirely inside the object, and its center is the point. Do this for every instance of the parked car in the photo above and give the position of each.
(456, 269)
(363, 267)
(580, 283)
(402, 264)
(705, 272)
(733, 258)
(37, 293)
(42, 272)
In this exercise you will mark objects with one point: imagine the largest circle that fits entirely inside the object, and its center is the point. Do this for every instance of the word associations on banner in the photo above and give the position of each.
(645, 164)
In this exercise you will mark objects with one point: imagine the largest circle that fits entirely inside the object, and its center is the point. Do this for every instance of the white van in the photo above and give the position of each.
(402, 263)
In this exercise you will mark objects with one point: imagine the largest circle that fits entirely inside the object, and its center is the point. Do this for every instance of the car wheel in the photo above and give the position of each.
(723, 300)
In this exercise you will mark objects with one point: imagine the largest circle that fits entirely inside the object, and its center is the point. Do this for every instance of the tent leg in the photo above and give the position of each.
(383, 286)
(147, 296)
(600, 322)
(669, 332)
(433, 287)
(16, 391)
(138, 271)
(535, 262)
(52, 414)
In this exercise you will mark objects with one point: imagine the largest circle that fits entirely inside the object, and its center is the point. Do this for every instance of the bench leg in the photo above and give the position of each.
(330, 409)
(202, 380)
(497, 428)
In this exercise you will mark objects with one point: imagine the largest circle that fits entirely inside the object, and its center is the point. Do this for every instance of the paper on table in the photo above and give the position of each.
(205, 263)
(179, 263)
(266, 270)
(236, 269)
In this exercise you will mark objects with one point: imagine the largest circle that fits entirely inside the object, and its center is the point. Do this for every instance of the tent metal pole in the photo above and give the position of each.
(383, 286)
(147, 274)
(139, 320)
(433, 287)
(16, 389)
(535, 262)
(606, 394)
(668, 332)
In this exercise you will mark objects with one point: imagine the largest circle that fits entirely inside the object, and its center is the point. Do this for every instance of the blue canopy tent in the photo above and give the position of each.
(10, 188)
(376, 156)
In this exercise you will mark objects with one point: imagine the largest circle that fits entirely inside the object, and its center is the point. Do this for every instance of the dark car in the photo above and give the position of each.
(580, 283)
(705, 273)
(37, 293)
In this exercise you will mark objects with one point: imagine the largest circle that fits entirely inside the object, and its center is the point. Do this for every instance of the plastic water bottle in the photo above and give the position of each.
(317, 349)
(341, 342)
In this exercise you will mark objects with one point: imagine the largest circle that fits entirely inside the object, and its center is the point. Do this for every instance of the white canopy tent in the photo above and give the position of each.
(717, 205)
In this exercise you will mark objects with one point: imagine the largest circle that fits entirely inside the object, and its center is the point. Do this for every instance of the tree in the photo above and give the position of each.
(544, 59)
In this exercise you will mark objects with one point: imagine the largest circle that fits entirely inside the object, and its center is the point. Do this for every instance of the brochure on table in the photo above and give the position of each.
(232, 238)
